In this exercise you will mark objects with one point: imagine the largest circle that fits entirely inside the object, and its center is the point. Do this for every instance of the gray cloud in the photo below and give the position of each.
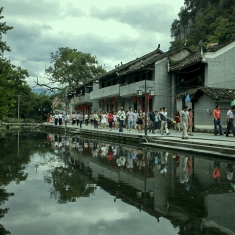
(148, 17)
(73, 11)
(39, 10)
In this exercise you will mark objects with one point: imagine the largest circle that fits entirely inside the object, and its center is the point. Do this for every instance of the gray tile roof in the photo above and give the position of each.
(221, 94)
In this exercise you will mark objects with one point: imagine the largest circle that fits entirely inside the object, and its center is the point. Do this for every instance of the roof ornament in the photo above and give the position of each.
(142, 64)
(158, 47)
(200, 44)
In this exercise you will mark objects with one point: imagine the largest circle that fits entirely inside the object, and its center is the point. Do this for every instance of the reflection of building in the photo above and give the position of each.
(192, 204)
(220, 212)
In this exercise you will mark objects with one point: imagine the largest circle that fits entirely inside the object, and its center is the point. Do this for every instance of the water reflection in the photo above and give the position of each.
(193, 193)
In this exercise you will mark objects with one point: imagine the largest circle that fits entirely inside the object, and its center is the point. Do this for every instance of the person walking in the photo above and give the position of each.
(217, 117)
(177, 120)
(157, 121)
(229, 118)
(80, 119)
(110, 120)
(86, 118)
(140, 120)
(152, 121)
(96, 119)
(121, 116)
(163, 118)
(115, 121)
(184, 122)
(130, 119)
(103, 120)
(190, 122)
(135, 119)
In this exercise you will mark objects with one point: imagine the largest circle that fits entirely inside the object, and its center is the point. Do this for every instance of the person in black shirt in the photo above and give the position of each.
(152, 121)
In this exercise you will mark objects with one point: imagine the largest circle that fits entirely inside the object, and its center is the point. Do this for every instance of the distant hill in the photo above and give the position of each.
(42, 90)
(204, 22)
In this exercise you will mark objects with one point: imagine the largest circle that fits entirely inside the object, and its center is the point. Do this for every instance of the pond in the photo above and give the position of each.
(55, 184)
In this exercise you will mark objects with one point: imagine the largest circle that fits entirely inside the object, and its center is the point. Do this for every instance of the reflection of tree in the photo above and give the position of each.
(4, 195)
(68, 184)
(12, 164)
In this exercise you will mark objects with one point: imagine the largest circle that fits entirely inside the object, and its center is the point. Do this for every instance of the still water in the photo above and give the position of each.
(52, 184)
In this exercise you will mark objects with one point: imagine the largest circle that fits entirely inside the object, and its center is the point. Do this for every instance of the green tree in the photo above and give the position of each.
(12, 78)
(70, 67)
(3, 30)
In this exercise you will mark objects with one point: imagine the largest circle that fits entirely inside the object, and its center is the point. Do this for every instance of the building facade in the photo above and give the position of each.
(165, 78)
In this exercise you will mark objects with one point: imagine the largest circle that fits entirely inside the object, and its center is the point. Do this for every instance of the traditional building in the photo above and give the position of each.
(164, 79)
(207, 75)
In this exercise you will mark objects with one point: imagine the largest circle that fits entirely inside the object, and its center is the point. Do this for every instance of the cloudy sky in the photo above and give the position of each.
(113, 31)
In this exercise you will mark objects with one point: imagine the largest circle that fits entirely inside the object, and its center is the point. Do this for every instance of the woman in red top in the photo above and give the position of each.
(110, 120)
(190, 122)
(177, 120)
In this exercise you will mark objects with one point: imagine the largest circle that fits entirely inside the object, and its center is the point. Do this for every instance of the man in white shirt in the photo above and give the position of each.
(229, 118)
(163, 119)
(121, 116)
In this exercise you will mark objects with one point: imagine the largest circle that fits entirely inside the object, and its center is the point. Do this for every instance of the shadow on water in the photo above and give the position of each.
(195, 194)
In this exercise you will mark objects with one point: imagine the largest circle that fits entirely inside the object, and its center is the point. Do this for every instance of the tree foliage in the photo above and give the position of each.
(3, 30)
(70, 67)
(211, 21)
(13, 85)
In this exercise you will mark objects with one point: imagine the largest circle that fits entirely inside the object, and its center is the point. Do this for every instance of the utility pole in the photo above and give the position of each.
(145, 107)
(18, 107)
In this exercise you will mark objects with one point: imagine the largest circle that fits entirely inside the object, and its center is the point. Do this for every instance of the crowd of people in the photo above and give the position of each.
(155, 121)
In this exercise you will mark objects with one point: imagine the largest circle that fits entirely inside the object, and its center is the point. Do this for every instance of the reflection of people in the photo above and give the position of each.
(216, 172)
(163, 165)
(184, 176)
(110, 155)
(130, 159)
(229, 172)
(121, 160)
(155, 161)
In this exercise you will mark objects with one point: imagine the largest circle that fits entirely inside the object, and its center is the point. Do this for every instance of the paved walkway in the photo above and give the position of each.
(200, 143)
(197, 136)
